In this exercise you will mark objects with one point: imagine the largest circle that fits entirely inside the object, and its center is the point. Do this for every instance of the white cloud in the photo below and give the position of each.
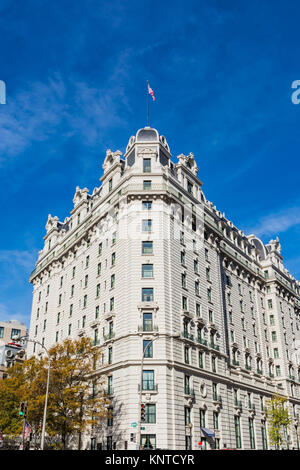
(277, 222)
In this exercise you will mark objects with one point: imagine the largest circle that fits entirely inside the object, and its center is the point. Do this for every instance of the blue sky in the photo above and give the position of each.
(76, 74)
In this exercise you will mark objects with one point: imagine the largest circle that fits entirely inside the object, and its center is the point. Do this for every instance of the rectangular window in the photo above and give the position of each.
(85, 301)
(147, 270)
(147, 248)
(148, 380)
(150, 413)
(147, 185)
(113, 259)
(112, 304)
(86, 280)
(187, 415)
(87, 260)
(251, 433)
(1, 331)
(147, 294)
(110, 355)
(112, 281)
(202, 418)
(184, 303)
(99, 269)
(147, 165)
(147, 205)
(147, 322)
(146, 225)
(69, 329)
(237, 428)
(148, 348)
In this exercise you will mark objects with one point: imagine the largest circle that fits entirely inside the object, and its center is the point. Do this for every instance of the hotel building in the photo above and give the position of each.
(146, 262)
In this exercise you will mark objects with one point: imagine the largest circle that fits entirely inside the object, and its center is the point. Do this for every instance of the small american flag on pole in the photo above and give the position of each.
(151, 92)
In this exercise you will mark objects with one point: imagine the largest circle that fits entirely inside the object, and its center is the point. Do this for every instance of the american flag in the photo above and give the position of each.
(151, 92)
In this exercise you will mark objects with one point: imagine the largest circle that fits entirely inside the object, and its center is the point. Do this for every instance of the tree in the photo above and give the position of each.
(73, 403)
(279, 420)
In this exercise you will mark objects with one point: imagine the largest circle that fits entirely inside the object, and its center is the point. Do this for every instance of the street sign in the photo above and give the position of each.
(133, 425)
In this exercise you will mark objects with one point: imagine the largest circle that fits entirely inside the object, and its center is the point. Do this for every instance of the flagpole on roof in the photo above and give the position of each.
(147, 103)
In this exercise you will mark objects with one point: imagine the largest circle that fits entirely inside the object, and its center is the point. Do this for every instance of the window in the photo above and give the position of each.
(69, 329)
(201, 359)
(97, 312)
(147, 248)
(100, 249)
(146, 225)
(272, 322)
(15, 332)
(187, 415)
(209, 295)
(274, 336)
(87, 260)
(147, 205)
(83, 321)
(72, 290)
(85, 301)
(270, 305)
(147, 185)
(186, 355)
(197, 289)
(110, 416)
(113, 259)
(112, 304)
(110, 355)
(110, 184)
(58, 318)
(183, 280)
(184, 303)
(150, 413)
(147, 294)
(99, 269)
(1, 331)
(147, 165)
(71, 310)
(237, 429)
(147, 270)
(190, 187)
(196, 268)
(148, 348)
(182, 257)
(202, 418)
(251, 433)
(148, 380)
(112, 281)
(216, 420)
(147, 322)
(86, 280)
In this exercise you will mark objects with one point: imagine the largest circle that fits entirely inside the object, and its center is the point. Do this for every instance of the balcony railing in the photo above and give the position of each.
(148, 387)
(189, 391)
(147, 328)
(202, 341)
(187, 335)
(217, 398)
(110, 335)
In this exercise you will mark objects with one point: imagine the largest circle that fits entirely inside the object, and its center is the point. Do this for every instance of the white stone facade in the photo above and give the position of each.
(221, 348)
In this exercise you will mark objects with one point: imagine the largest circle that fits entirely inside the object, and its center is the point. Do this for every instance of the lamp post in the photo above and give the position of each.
(141, 391)
(177, 335)
(26, 339)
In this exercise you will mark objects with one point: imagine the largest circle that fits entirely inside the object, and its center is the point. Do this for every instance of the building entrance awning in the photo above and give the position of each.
(208, 432)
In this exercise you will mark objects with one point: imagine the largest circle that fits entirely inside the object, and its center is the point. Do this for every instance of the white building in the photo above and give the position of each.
(146, 257)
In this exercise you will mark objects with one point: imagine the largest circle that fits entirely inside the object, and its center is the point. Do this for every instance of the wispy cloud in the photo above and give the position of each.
(277, 222)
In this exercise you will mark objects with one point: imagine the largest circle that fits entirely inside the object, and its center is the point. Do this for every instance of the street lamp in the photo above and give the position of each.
(26, 339)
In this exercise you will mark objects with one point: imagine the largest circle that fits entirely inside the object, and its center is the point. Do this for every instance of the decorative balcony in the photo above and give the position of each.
(202, 341)
(149, 387)
(187, 335)
(109, 336)
(147, 328)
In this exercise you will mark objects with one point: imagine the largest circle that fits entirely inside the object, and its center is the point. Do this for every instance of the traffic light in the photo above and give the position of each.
(23, 410)
(143, 412)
